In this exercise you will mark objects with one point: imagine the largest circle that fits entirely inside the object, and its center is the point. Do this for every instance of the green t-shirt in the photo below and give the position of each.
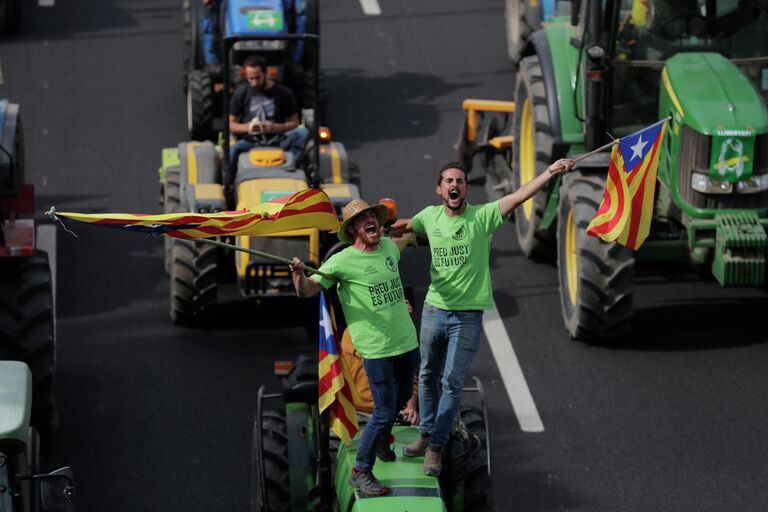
(371, 295)
(461, 277)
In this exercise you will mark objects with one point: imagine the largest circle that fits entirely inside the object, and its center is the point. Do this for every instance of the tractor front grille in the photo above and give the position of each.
(694, 154)
(266, 277)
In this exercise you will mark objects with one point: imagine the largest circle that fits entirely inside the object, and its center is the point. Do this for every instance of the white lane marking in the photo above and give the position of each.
(46, 3)
(511, 373)
(45, 240)
(370, 7)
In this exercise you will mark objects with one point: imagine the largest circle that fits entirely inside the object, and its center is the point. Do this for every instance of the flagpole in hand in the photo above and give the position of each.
(260, 254)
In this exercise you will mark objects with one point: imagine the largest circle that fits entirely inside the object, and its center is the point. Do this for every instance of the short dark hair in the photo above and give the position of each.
(451, 165)
(255, 61)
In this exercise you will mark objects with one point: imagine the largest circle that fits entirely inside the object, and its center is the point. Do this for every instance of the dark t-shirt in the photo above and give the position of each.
(275, 104)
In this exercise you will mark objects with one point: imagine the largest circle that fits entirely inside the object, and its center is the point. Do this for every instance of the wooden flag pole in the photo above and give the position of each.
(598, 150)
(257, 253)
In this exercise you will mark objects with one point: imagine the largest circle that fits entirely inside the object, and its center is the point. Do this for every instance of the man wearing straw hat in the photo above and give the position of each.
(367, 279)
(459, 238)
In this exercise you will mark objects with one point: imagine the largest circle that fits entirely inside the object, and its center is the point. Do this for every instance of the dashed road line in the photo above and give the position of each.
(511, 373)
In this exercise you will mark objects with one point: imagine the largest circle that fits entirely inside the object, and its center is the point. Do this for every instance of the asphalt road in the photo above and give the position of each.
(156, 417)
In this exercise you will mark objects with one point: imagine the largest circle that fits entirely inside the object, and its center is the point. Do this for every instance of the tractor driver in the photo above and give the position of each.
(263, 106)
(367, 279)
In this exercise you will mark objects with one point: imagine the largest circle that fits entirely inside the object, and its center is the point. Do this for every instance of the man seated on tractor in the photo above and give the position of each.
(367, 280)
(266, 107)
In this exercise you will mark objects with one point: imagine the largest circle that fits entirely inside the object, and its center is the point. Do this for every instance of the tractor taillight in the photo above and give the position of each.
(283, 367)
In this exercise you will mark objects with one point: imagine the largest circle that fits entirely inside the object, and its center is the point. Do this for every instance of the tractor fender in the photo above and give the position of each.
(540, 46)
(559, 60)
(334, 163)
(15, 401)
(198, 164)
(205, 197)
(9, 118)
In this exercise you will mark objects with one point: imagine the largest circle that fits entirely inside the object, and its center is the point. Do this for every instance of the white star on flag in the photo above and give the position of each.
(637, 149)
(325, 323)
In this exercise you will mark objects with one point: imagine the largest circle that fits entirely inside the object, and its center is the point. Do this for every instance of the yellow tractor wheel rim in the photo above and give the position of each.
(527, 162)
(571, 259)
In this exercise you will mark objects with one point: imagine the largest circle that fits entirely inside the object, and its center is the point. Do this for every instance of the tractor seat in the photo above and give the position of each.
(266, 159)
(301, 384)
(15, 400)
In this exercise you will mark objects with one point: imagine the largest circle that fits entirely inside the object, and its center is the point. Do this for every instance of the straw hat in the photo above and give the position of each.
(354, 208)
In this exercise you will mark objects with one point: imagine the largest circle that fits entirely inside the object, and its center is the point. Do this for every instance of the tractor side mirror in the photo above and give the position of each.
(57, 491)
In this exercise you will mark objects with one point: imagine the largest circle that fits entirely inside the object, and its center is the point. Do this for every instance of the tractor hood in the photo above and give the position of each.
(255, 17)
(710, 94)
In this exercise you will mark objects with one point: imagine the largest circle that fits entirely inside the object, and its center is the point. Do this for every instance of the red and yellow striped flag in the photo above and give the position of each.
(626, 211)
(305, 209)
(335, 386)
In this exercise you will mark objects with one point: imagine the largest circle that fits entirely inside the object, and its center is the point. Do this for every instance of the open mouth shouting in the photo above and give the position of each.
(453, 194)
(371, 229)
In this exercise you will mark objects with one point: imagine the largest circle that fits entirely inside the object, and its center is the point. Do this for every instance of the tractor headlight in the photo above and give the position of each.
(701, 182)
(753, 185)
(595, 52)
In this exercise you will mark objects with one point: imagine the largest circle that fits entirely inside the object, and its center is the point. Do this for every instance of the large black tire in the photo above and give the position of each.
(194, 281)
(478, 492)
(10, 16)
(171, 204)
(201, 106)
(533, 152)
(276, 477)
(186, 49)
(521, 21)
(26, 332)
(596, 278)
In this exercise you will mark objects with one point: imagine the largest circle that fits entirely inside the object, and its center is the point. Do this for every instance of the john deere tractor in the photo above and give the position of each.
(299, 465)
(607, 70)
(289, 60)
(196, 177)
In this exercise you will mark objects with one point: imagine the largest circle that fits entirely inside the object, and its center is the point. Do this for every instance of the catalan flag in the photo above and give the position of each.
(625, 213)
(305, 209)
(335, 388)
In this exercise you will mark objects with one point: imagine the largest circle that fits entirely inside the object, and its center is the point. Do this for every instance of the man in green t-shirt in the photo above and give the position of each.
(367, 280)
(459, 238)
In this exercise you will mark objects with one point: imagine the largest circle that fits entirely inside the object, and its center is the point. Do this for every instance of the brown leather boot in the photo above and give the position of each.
(417, 448)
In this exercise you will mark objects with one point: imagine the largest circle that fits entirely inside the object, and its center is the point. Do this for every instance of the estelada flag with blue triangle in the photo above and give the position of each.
(625, 213)
(305, 209)
(335, 384)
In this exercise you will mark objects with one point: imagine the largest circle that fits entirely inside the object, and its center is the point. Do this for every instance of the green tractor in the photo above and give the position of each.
(607, 70)
(298, 465)
(195, 177)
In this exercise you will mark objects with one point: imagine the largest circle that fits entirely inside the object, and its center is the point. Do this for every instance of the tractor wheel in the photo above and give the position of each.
(276, 477)
(522, 20)
(26, 332)
(186, 49)
(532, 155)
(596, 278)
(200, 106)
(10, 16)
(477, 482)
(171, 204)
(194, 280)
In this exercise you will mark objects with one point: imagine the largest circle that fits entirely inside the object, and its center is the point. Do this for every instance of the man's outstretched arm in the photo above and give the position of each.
(521, 195)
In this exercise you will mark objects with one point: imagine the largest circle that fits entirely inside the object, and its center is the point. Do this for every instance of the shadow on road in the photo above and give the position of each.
(398, 106)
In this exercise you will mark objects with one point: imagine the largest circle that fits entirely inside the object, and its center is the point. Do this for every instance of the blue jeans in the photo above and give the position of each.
(452, 336)
(295, 140)
(391, 381)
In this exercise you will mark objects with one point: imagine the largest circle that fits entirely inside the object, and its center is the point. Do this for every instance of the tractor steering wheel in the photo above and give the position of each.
(265, 138)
